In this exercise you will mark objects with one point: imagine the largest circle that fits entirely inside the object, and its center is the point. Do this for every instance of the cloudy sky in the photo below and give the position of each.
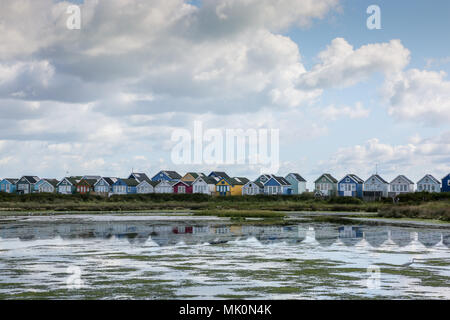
(106, 98)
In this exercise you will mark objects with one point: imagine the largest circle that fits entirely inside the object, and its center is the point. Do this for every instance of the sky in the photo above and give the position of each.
(106, 99)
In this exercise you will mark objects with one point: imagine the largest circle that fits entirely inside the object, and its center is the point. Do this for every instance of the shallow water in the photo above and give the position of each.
(117, 257)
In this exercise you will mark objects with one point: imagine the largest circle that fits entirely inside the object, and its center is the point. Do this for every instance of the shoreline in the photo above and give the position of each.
(418, 206)
(361, 218)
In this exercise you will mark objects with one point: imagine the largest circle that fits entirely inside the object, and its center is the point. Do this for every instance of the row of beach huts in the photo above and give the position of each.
(221, 184)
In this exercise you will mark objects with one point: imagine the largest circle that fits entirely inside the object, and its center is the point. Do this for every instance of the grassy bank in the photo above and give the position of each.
(432, 210)
(417, 205)
(77, 202)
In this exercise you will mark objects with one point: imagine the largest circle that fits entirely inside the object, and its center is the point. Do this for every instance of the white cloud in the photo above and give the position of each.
(175, 52)
(333, 113)
(342, 66)
(419, 96)
(28, 26)
(163, 49)
(436, 62)
(37, 75)
(272, 15)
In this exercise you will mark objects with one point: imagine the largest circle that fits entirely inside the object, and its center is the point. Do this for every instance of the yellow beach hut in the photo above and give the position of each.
(230, 186)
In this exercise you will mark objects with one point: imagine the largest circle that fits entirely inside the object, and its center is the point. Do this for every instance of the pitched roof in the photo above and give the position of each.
(153, 183)
(139, 176)
(91, 181)
(297, 176)
(282, 181)
(378, 177)
(208, 180)
(150, 182)
(164, 182)
(195, 175)
(91, 177)
(259, 184)
(358, 179)
(110, 180)
(328, 176)
(31, 179)
(240, 180)
(219, 174)
(211, 180)
(53, 182)
(71, 180)
(354, 177)
(187, 183)
(429, 176)
(230, 181)
(267, 176)
(172, 174)
(130, 182)
(11, 180)
(403, 177)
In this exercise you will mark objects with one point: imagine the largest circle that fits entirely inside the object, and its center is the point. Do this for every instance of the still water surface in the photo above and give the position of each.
(149, 257)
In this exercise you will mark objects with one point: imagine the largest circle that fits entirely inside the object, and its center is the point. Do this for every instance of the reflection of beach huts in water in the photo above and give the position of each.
(220, 229)
(162, 229)
(27, 237)
(124, 231)
(350, 235)
(71, 231)
(63, 230)
(429, 239)
(103, 230)
(446, 239)
(270, 234)
(326, 236)
(249, 230)
(161, 239)
(272, 229)
(182, 229)
(376, 238)
(294, 234)
(200, 229)
(160, 234)
(400, 237)
(137, 238)
(236, 230)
